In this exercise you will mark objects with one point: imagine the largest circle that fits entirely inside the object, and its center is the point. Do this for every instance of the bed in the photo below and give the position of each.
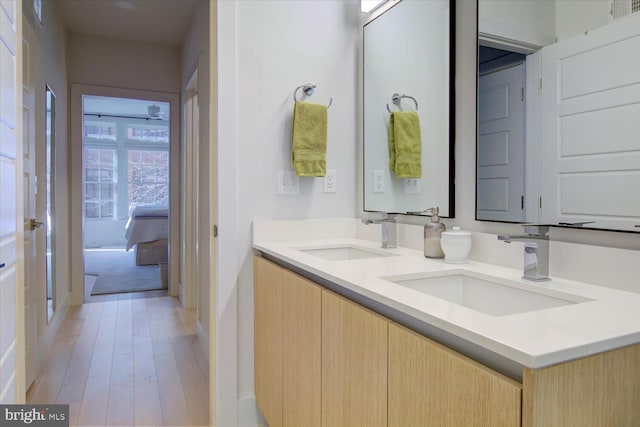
(147, 224)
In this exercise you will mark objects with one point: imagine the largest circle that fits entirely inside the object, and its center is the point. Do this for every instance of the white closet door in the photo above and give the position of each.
(501, 145)
(590, 136)
(10, 209)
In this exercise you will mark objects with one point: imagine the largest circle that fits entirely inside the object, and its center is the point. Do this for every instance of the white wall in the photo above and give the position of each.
(541, 22)
(574, 17)
(48, 66)
(195, 53)
(266, 49)
(528, 21)
(279, 46)
(98, 233)
(123, 64)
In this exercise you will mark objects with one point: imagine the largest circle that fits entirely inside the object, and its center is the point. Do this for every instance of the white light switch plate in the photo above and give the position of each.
(412, 186)
(378, 181)
(330, 181)
(288, 182)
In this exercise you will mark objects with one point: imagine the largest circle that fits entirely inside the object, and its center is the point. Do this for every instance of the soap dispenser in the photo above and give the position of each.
(432, 234)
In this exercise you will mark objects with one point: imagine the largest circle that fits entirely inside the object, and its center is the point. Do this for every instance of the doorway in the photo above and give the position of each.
(126, 164)
(500, 172)
(123, 150)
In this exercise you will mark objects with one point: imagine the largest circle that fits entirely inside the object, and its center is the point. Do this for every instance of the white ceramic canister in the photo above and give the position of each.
(456, 245)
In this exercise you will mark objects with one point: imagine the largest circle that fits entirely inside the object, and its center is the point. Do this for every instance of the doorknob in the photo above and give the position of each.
(33, 224)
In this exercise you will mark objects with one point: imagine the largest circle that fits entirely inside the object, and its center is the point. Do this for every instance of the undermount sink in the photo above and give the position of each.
(486, 294)
(344, 252)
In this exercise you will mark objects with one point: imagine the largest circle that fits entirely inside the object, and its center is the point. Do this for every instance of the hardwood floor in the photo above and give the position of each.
(89, 281)
(128, 362)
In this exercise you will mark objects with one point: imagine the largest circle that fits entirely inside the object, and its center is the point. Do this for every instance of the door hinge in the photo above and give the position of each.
(540, 202)
(521, 94)
(540, 83)
(522, 202)
(215, 230)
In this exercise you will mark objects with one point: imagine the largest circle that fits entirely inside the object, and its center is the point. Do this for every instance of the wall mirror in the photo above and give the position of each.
(555, 143)
(50, 138)
(408, 51)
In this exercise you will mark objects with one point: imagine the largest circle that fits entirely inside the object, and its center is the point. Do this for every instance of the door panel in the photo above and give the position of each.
(501, 145)
(11, 385)
(590, 150)
(302, 300)
(354, 364)
(268, 339)
(430, 384)
(32, 263)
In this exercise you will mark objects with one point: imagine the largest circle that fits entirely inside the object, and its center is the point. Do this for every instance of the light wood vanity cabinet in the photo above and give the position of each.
(595, 391)
(323, 360)
(430, 384)
(354, 364)
(287, 346)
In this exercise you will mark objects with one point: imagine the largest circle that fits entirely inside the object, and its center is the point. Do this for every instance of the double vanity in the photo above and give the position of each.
(348, 333)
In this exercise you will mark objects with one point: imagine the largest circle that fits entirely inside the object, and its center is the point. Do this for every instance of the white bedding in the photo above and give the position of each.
(146, 224)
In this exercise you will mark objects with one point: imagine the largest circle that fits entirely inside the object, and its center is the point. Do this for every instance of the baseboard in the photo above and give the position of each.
(248, 413)
(203, 339)
(46, 341)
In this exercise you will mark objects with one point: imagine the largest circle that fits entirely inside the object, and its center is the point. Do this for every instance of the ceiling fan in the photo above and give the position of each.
(154, 113)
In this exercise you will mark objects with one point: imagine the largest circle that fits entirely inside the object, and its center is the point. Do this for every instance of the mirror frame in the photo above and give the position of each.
(452, 112)
(475, 209)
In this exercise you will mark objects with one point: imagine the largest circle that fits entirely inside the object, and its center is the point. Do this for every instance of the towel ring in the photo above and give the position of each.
(308, 90)
(396, 98)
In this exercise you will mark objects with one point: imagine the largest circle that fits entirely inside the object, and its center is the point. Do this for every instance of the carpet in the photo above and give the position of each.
(117, 272)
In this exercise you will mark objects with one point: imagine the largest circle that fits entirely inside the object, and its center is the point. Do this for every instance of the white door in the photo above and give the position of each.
(590, 113)
(501, 145)
(11, 268)
(33, 230)
(189, 198)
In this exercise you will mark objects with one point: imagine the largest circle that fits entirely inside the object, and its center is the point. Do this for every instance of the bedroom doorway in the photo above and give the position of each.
(125, 196)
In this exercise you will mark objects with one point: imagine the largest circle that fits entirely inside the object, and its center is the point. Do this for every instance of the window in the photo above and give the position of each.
(126, 157)
(148, 177)
(100, 131)
(100, 179)
(37, 8)
(148, 134)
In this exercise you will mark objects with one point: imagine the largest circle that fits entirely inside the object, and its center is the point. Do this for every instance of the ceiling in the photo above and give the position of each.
(148, 21)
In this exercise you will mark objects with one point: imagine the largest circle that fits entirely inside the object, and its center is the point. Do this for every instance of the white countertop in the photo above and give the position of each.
(533, 339)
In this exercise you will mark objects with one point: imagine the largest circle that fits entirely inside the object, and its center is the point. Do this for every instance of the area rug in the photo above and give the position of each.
(117, 272)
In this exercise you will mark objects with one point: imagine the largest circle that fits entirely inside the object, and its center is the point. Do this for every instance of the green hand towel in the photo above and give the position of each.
(309, 139)
(405, 144)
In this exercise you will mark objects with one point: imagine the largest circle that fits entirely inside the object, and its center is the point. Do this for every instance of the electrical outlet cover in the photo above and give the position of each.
(329, 182)
(288, 182)
(378, 181)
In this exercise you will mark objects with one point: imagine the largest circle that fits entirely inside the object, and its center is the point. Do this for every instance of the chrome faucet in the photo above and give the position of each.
(536, 251)
(388, 223)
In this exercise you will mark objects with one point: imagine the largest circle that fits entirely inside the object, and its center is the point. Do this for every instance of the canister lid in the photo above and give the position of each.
(455, 231)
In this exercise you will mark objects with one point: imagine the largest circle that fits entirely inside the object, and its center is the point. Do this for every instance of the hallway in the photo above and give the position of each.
(127, 362)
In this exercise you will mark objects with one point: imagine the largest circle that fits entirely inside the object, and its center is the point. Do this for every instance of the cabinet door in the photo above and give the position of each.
(287, 339)
(354, 364)
(599, 390)
(302, 352)
(268, 339)
(432, 385)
